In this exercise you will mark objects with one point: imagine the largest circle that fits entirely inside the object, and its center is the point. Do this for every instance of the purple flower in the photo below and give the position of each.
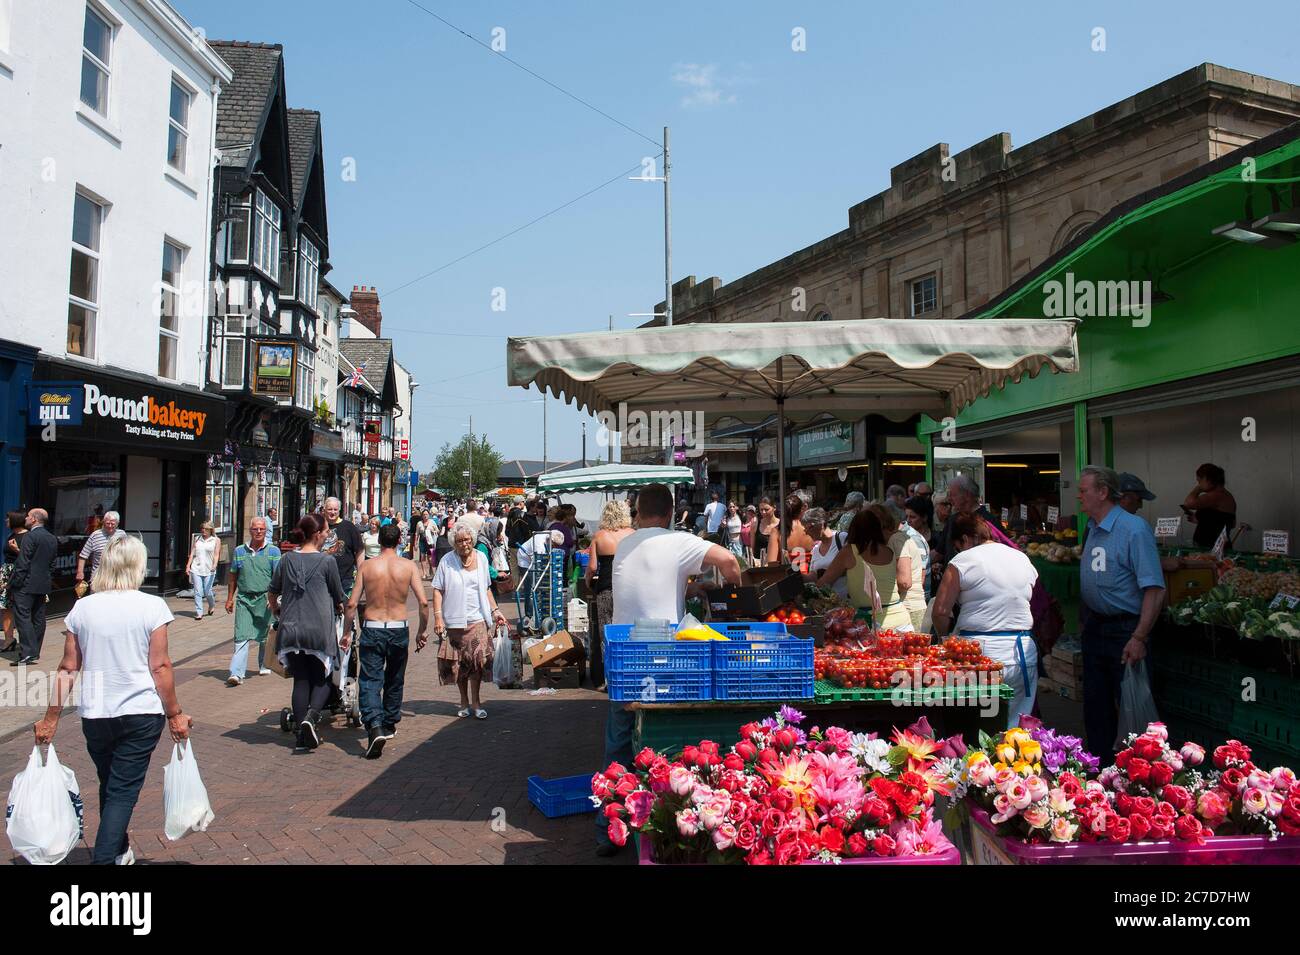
(791, 715)
(922, 728)
(769, 724)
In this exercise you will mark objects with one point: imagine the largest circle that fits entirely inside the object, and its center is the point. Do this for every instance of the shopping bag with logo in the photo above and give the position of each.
(185, 798)
(44, 814)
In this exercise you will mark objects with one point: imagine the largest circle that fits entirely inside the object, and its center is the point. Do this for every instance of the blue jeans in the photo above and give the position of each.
(526, 588)
(1103, 675)
(620, 726)
(383, 674)
(239, 662)
(202, 584)
(120, 748)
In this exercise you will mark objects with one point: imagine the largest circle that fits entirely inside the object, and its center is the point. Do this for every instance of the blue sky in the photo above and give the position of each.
(455, 147)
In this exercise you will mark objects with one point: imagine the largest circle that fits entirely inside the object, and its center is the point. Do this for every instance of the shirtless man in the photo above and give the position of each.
(385, 580)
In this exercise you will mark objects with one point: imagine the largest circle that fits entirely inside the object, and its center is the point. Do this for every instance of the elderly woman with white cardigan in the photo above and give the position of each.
(463, 609)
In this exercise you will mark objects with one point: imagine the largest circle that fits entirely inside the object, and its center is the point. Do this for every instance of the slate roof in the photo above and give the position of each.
(243, 101)
(375, 353)
(302, 147)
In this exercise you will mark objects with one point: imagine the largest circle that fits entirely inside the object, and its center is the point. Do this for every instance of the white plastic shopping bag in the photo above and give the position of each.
(1137, 708)
(44, 810)
(185, 798)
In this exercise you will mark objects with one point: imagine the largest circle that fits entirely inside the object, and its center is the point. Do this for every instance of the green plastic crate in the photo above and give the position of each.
(1260, 726)
(667, 730)
(1203, 704)
(1277, 692)
(1180, 667)
(828, 692)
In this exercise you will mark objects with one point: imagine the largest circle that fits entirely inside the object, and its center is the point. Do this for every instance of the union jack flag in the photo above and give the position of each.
(354, 380)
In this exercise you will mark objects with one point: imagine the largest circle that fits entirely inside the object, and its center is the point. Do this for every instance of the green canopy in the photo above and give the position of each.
(613, 477)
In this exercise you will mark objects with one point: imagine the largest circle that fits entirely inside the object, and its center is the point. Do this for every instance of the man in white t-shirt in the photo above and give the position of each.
(714, 513)
(651, 568)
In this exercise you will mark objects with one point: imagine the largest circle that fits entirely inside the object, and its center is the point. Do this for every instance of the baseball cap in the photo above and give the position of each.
(1132, 484)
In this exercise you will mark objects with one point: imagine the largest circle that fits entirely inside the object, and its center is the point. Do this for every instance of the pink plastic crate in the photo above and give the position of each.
(951, 857)
(1218, 850)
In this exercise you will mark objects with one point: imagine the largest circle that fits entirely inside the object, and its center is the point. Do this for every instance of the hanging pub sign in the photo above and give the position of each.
(125, 412)
(374, 430)
(273, 368)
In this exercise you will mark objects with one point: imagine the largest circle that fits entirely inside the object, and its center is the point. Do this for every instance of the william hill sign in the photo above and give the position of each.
(134, 414)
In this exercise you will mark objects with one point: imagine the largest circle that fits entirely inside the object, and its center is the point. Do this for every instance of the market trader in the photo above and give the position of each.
(249, 576)
(651, 568)
(1122, 588)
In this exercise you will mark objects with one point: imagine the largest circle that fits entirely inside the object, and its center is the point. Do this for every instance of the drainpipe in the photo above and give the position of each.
(214, 156)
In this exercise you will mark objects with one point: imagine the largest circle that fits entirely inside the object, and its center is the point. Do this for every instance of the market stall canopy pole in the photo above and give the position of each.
(844, 368)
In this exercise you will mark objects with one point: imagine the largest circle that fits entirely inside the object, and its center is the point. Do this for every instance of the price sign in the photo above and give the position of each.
(1284, 600)
(1006, 515)
(1168, 526)
(1277, 542)
(1053, 515)
(1024, 512)
(1220, 544)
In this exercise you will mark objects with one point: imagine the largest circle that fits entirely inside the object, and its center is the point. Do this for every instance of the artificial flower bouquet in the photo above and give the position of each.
(783, 796)
(1044, 788)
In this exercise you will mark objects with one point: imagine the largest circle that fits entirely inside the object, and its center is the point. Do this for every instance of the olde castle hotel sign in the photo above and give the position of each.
(114, 410)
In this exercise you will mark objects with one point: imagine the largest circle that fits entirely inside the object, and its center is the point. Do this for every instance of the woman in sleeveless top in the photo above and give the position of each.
(828, 546)
(767, 535)
(869, 564)
(798, 543)
(615, 524)
(1213, 509)
(909, 567)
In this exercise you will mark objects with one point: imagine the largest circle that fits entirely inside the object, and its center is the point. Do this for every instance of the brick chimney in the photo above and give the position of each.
(365, 302)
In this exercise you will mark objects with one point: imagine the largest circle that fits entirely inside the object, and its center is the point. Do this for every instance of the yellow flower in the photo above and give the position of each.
(1006, 753)
(976, 756)
(1016, 735)
(999, 766)
(1024, 768)
(1031, 750)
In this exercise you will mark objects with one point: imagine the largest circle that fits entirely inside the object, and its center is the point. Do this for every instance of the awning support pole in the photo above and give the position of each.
(780, 462)
(1081, 453)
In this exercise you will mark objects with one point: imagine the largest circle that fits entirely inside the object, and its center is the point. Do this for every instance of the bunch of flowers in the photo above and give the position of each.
(782, 796)
(1033, 787)
(1230, 796)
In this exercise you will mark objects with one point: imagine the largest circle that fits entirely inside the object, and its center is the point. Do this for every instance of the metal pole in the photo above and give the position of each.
(471, 456)
(543, 432)
(584, 444)
(668, 234)
(610, 435)
(780, 461)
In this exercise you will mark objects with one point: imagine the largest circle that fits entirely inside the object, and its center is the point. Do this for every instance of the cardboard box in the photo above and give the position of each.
(566, 677)
(1046, 685)
(761, 590)
(559, 647)
(1063, 673)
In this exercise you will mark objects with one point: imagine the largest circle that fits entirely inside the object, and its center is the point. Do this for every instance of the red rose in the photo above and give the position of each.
(739, 809)
(746, 750)
(732, 761)
(884, 845)
(877, 811)
(1291, 807)
(780, 799)
(658, 775)
(1139, 827)
(1122, 758)
(613, 810)
(645, 758)
(856, 846)
(785, 739)
(1118, 829)
(832, 840)
(1124, 804)
(626, 784)
(600, 786)
(615, 771)
(1143, 806)
(1232, 781)
(1165, 812)
(771, 823)
(1139, 770)
(617, 832)
(1178, 797)
(1147, 747)
(690, 755)
(1290, 826)
(1070, 785)
(1162, 774)
(1231, 753)
(1161, 828)
(750, 730)
(1189, 829)
(759, 857)
(768, 756)
(746, 836)
(708, 746)
(906, 800)
(791, 852)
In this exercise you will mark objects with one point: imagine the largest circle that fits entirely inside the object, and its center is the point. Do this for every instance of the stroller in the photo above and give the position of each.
(345, 696)
(544, 588)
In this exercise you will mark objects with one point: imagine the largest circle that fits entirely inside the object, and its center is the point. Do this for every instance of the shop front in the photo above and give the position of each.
(324, 473)
(829, 459)
(99, 442)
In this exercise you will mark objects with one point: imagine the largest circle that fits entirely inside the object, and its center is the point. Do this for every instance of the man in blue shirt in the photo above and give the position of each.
(1122, 587)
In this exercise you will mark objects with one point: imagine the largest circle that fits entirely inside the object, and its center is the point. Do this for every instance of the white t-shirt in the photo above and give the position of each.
(205, 555)
(714, 513)
(651, 567)
(733, 529)
(996, 582)
(822, 561)
(534, 546)
(469, 579)
(112, 631)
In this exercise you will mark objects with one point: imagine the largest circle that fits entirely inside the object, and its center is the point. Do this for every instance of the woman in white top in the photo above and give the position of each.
(429, 530)
(202, 568)
(118, 636)
(371, 539)
(992, 583)
(826, 548)
(463, 609)
(733, 523)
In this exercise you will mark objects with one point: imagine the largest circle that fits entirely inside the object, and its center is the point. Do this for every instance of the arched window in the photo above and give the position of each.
(1072, 228)
(821, 315)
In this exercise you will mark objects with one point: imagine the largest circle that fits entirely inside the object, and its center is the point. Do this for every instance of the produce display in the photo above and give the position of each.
(1259, 584)
(787, 613)
(890, 658)
(818, 600)
(784, 795)
(1055, 553)
(1250, 616)
(1039, 787)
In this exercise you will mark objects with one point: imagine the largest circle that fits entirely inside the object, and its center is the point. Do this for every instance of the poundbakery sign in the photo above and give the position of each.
(106, 409)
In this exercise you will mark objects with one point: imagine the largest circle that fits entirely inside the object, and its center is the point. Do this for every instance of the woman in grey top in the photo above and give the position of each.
(306, 595)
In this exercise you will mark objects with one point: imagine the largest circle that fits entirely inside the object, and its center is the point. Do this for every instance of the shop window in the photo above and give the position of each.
(924, 295)
(270, 492)
(96, 55)
(173, 258)
(220, 501)
(178, 129)
(83, 282)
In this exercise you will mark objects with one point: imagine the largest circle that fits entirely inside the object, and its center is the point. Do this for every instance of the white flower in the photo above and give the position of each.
(871, 753)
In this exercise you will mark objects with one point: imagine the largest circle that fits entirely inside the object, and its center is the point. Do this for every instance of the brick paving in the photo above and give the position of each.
(431, 798)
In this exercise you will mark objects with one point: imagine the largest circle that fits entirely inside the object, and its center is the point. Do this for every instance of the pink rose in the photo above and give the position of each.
(1158, 730)
(688, 822)
(1059, 802)
(1063, 830)
(714, 812)
(681, 780)
(724, 837)
(1004, 779)
(746, 836)
(1173, 759)
(1037, 817)
(1005, 810)
(1283, 779)
(1254, 801)
(1212, 807)
(617, 832)
(1018, 793)
(1037, 787)
(1193, 754)
(638, 808)
(982, 773)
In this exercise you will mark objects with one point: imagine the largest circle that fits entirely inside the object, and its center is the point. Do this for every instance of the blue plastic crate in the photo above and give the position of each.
(763, 685)
(566, 796)
(625, 656)
(765, 649)
(659, 687)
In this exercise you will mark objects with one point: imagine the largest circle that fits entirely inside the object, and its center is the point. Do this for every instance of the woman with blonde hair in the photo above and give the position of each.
(615, 524)
(201, 567)
(909, 571)
(118, 635)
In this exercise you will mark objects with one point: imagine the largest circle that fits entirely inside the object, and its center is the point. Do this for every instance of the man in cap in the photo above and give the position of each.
(1132, 492)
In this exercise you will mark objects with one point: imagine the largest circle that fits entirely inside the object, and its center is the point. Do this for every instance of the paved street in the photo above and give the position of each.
(431, 797)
